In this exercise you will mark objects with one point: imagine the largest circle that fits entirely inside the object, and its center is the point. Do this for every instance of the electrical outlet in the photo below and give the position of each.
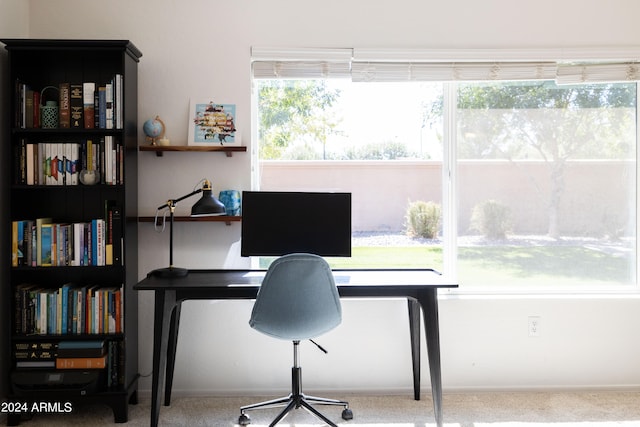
(534, 326)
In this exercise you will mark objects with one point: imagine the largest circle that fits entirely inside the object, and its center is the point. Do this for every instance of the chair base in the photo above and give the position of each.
(296, 400)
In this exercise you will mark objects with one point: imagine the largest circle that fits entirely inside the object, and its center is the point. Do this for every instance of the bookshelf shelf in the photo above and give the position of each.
(224, 218)
(71, 276)
(159, 150)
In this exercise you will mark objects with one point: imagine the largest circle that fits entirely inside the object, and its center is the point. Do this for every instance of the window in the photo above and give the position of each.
(515, 184)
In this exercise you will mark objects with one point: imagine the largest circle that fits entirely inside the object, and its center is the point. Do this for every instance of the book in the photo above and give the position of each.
(21, 244)
(28, 108)
(46, 241)
(38, 238)
(76, 103)
(116, 233)
(68, 154)
(64, 305)
(36, 109)
(102, 107)
(64, 112)
(109, 105)
(20, 163)
(35, 364)
(35, 354)
(88, 95)
(81, 362)
(14, 243)
(73, 165)
(118, 95)
(31, 163)
(74, 349)
(35, 346)
(40, 162)
(29, 226)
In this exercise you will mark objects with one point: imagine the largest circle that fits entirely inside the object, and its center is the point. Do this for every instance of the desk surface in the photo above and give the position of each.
(402, 279)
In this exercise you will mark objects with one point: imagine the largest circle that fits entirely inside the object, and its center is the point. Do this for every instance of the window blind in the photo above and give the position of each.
(401, 71)
(566, 66)
(300, 63)
(594, 73)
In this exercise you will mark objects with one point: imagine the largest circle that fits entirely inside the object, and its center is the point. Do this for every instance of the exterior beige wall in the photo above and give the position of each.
(381, 190)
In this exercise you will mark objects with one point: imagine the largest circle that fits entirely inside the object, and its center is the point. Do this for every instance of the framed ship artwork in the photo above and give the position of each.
(212, 123)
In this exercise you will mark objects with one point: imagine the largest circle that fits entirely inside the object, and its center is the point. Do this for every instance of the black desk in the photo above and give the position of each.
(418, 286)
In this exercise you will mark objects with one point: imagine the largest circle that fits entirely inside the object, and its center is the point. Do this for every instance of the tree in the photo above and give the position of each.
(545, 121)
(293, 111)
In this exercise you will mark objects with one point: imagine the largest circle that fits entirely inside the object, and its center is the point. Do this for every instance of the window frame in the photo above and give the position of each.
(573, 64)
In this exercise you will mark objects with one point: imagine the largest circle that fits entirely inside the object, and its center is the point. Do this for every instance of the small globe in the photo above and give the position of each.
(153, 128)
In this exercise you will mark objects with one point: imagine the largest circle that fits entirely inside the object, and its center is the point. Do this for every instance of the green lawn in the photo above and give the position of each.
(503, 265)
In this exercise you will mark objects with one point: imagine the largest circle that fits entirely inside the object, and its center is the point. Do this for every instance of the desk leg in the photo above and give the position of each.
(164, 304)
(171, 352)
(429, 301)
(414, 331)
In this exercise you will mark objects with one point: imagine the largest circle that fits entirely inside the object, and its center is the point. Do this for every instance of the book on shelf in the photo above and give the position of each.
(38, 238)
(30, 163)
(109, 105)
(34, 354)
(29, 364)
(25, 309)
(118, 95)
(88, 94)
(81, 362)
(64, 105)
(28, 108)
(17, 243)
(29, 248)
(102, 107)
(60, 163)
(68, 310)
(35, 345)
(76, 105)
(19, 167)
(46, 243)
(84, 348)
(36, 109)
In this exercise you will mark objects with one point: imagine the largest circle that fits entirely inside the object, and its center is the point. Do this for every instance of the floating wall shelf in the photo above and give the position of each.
(160, 149)
(223, 218)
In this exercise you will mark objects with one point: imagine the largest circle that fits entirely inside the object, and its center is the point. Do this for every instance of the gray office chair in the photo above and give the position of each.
(298, 300)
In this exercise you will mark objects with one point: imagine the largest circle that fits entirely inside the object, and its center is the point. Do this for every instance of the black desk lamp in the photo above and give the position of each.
(208, 205)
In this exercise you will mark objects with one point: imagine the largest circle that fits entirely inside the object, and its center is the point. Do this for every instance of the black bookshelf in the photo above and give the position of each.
(36, 64)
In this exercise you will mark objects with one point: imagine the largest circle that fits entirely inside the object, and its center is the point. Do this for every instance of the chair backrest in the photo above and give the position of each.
(298, 299)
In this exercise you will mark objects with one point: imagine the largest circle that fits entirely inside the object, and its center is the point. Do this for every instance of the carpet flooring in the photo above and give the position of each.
(517, 409)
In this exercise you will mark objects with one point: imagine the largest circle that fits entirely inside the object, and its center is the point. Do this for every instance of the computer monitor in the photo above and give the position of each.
(276, 223)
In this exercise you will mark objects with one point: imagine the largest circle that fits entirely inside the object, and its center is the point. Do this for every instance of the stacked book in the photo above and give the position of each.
(104, 355)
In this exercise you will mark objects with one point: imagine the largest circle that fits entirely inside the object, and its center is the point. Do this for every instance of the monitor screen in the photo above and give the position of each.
(276, 223)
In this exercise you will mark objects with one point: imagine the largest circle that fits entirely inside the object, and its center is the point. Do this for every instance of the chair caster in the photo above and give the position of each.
(347, 414)
(244, 420)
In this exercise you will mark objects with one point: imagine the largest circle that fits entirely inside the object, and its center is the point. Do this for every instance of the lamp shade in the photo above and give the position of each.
(208, 205)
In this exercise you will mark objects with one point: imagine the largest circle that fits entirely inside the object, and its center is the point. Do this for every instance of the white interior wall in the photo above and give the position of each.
(202, 47)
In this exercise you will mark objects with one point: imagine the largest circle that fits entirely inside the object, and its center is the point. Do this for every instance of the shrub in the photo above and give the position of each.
(423, 219)
(492, 219)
